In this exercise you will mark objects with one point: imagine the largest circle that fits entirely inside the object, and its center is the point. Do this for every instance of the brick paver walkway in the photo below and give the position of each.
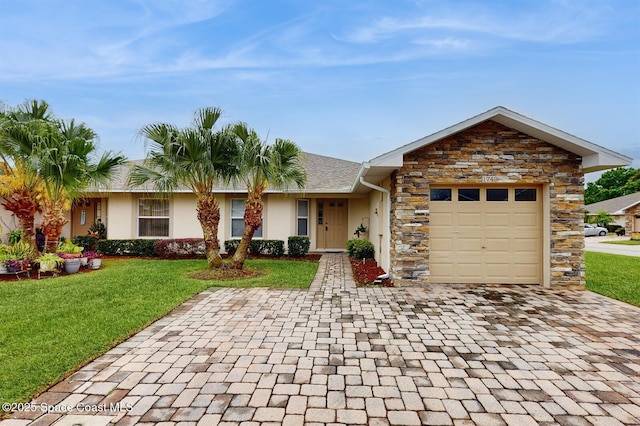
(341, 355)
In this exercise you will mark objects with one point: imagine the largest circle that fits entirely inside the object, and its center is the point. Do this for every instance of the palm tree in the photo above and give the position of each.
(197, 157)
(262, 166)
(55, 160)
(20, 186)
(65, 159)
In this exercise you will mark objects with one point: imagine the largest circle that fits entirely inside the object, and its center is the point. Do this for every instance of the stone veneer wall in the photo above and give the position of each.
(487, 149)
(629, 219)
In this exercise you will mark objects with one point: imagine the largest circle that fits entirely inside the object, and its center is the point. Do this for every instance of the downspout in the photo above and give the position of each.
(388, 210)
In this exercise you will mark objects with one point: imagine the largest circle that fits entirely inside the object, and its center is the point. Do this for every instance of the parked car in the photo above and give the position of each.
(590, 230)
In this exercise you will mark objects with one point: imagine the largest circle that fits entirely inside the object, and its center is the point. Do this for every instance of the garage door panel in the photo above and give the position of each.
(441, 244)
(441, 269)
(527, 245)
(469, 220)
(498, 245)
(526, 219)
(485, 241)
(468, 270)
(495, 219)
(443, 218)
(499, 271)
(466, 244)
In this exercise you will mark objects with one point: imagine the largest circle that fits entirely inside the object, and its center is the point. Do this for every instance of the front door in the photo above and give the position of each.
(83, 215)
(332, 223)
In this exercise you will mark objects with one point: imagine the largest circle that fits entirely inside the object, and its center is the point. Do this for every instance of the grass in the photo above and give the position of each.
(50, 327)
(624, 242)
(614, 276)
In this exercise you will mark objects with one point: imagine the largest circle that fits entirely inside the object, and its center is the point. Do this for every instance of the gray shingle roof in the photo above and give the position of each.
(324, 174)
(614, 205)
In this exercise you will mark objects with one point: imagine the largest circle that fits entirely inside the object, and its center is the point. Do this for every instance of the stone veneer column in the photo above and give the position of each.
(629, 219)
(488, 149)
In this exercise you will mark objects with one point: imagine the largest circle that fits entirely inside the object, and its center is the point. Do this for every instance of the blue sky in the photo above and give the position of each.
(349, 79)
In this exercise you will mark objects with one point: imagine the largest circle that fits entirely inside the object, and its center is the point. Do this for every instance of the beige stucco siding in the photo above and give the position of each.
(120, 220)
(183, 221)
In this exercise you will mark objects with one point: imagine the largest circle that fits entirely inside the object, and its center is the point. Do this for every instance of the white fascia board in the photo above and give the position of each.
(624, 209)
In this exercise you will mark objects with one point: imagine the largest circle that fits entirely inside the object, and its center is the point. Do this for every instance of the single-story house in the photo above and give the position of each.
(624, 210)
(497, 198)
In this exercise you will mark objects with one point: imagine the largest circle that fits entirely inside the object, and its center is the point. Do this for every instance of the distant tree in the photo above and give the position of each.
(602, 218)
(613, 183)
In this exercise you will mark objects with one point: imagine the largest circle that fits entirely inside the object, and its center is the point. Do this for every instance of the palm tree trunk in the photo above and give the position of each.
(53, 219)
(252, 221)
(24, 206)
(209, 217)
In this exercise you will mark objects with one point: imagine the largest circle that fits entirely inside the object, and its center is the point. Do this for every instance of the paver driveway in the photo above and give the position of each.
(336, 354)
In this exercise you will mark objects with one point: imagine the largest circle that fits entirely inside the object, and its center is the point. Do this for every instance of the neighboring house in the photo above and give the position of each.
(497, 198)
(624, 210)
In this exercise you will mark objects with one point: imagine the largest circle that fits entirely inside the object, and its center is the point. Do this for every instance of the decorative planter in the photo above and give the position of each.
(71, 266)
(84, 261)
(95, 263)
(3, 269)
(48, 267)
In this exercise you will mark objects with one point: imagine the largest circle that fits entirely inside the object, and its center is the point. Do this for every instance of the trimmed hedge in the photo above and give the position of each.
(138, 247)
(181, 248)
(360, 249)
(298, 246)
(273, 248)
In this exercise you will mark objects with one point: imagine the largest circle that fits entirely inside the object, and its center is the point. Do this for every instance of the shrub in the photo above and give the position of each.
(182, 248)
(360, 249)
(273, 248)
(87, 242)
(230, 246)
(139, 247)
(298, 246)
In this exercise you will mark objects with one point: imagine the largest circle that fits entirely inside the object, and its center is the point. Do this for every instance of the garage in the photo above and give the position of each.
(485, 234)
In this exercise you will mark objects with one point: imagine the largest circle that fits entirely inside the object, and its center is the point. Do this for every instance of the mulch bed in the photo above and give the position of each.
(365, 272)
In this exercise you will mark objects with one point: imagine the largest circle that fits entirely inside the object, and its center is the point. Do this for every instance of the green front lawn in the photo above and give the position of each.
(624, 242)
(614, 276)
(50, 327)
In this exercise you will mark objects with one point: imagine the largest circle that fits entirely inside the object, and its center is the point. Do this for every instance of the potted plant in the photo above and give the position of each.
(17, 257)
(71, 254)
(49, 262)
(94, 259)
(17, 265)
(4, 256)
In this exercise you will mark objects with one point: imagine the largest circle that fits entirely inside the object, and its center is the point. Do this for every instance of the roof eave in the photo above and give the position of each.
(594, 157)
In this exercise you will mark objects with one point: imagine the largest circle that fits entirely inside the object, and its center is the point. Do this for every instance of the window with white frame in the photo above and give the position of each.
(303, 218)
(237, 219)
(153, 217)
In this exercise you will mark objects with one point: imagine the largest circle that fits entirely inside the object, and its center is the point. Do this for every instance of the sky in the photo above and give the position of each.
(348, 79)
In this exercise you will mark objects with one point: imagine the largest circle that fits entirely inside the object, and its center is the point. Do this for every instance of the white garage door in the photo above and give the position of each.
(485, 235)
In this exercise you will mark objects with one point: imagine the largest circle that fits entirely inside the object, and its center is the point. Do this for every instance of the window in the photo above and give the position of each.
(303, 218)
(153, 218)
(440, 194)
(237, 219)
(497, 194)
(468, 194)
(526, 194)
